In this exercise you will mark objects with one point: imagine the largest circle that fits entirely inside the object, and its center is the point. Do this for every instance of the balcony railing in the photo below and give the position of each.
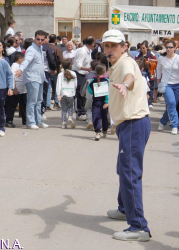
(94, 10)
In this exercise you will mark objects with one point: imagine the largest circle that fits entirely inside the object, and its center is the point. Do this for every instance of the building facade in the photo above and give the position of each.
(31, 15)
(80, 18)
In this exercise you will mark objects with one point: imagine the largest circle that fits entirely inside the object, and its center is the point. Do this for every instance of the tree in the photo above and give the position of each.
(7, 16)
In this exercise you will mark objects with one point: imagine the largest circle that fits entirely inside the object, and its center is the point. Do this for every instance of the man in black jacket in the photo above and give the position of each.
(49, 64)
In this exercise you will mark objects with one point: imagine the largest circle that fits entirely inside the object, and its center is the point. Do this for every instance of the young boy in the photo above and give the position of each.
(145, 80)
(11, 24)
(84, 92)
(18, 97)
(6, 82)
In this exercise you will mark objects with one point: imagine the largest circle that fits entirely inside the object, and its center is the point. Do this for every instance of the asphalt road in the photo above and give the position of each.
(57, 185)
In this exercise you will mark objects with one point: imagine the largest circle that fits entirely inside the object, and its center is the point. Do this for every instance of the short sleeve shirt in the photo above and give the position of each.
(135, 105)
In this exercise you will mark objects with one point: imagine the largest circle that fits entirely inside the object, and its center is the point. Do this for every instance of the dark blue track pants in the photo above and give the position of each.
(133, 136)
(98, 114)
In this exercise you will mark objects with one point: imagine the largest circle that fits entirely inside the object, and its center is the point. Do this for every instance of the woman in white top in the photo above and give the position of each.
(66, 89)
(171, 94)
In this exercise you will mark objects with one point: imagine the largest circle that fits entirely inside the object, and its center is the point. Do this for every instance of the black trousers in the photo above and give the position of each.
(81, 101)
(11, 105)
(45, 91)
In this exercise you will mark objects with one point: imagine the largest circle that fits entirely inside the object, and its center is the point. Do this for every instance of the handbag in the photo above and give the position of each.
(162, 85)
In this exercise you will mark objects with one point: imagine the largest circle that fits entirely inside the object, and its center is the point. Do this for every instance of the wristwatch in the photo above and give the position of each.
(126, 85)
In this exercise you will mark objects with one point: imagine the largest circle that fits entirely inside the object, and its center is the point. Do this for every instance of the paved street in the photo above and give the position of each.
(57, 185)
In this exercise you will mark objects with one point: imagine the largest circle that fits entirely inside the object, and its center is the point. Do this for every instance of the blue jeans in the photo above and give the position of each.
(33, 106)
(48, 93)
(133, 136)
(2, 109)
(54, 78)
(171, 96)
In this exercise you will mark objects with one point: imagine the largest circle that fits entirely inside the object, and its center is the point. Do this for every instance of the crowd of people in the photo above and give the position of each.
(49, 70)
(108, 83)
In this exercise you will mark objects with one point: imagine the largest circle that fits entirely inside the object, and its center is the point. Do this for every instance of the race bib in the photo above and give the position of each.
(101, 90)
(68, 86)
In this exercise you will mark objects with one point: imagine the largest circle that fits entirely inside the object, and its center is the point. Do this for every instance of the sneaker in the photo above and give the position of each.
(44, 117)
(48, 108)
(56, 106)
(2, 133)
(89, 125)
(70, 121)
(64, 125)
(97, 137)
(33, 127)
(113, 129)
(174, 131)
(160, 126)
(132, 235)
(151, 106)
(10, 124)
(104, 134)
(81, 118)
(116, 214)
(43, 125)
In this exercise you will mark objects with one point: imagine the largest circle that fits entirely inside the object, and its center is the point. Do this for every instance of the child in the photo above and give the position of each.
(11, 24)
(145, 80)
(84, 92)
(6, 82)
(66, 88)
(19, 95)
(99, 89)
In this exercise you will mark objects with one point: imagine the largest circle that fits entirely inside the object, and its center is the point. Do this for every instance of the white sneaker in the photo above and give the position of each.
(64, 125)
(116, 214)
(43, 125)
(44, 117)
(151, 106)
(97, 137)
(113, 129)
(104, 134)
(70, 121)
(132, 235)
(81, 118)
(160, 126)
(89, 125)
(2, 133)
(33, 127)
(174, 131)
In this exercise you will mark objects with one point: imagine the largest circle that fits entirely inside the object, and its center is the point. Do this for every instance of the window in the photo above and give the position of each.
(177, 3)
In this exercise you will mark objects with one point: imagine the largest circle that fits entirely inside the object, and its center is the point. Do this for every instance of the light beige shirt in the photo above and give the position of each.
(135, 105)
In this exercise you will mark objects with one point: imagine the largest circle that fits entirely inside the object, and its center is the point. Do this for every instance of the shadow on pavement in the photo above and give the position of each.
(176, 154)
(155, 245)
(173, 234)
(52, 217)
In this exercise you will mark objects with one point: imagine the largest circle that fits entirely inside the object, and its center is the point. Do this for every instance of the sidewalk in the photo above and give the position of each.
(57, 185)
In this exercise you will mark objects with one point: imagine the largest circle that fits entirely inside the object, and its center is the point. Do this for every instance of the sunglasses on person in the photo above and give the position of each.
(38, 39)
(169, 47)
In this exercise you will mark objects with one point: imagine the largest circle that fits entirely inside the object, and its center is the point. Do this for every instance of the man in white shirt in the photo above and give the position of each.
(69, 53)
(17, 46)
(82, 67)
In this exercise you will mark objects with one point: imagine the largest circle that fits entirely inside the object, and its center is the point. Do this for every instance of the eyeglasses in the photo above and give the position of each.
(38, 39)
(169, 47)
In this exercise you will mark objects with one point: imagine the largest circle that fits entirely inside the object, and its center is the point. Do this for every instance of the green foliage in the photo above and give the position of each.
(13, 2)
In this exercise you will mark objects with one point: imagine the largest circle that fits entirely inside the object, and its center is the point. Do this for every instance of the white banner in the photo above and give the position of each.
(163, 33)
(144, 17)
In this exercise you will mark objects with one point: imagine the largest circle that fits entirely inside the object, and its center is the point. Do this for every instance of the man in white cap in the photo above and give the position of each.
(129, 110)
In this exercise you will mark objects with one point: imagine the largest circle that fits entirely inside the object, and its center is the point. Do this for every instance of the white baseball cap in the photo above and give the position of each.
(114, 36)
